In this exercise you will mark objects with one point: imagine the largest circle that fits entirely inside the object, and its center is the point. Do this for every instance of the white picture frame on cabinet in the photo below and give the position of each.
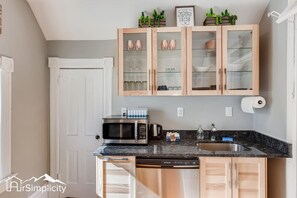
(185, 16)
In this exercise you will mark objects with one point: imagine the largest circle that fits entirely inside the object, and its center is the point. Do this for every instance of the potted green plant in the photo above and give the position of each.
(157, 19)
(141, 20)
(212, 18)
(224, 19)
(233, 19)
(228, 19)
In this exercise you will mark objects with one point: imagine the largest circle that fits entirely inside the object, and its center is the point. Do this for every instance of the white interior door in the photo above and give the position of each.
(81, 111)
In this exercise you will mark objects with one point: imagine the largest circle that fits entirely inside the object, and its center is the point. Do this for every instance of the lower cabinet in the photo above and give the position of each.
(232, 177)
(222, 177)
(115, 177)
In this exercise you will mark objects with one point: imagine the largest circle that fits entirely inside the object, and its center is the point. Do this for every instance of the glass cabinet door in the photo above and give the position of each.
(240, 60)
(134, 47)
(203, 60)
(169, 61)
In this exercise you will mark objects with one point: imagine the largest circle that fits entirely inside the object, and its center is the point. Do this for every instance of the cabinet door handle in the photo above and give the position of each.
(149, 79)
(229, 173)
(225, 73)
(155, 80)
(220, 74)
(114, 159)
(236, 175)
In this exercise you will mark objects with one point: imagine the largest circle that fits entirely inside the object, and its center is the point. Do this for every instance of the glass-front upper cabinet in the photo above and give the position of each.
(134, 48)
(169, 61)
(240, 59)
(204, 60)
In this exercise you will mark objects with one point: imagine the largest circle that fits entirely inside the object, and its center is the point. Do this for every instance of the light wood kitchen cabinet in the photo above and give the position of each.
(240, 60)
(215, 177)
(223, 60)
(115, 177)
(232, 177)
(249, 176)
(201, 60)
(152, 61)
(169, 61)
(204, 60)
(135, 62)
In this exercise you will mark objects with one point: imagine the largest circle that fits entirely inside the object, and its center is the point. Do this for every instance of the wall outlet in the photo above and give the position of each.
(180, 112)
(228, 112)
(123, 111)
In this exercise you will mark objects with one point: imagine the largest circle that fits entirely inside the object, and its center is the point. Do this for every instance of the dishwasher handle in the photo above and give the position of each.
(168, 167)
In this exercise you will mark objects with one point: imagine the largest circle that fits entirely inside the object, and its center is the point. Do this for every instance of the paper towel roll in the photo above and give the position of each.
(249, 103)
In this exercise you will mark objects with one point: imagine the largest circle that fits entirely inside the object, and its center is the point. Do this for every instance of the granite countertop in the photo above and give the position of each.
(259, 145)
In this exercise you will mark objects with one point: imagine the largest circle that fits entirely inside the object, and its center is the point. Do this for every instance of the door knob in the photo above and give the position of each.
(97, 137)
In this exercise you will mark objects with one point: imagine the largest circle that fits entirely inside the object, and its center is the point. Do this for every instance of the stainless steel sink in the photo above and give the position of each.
(222, 147)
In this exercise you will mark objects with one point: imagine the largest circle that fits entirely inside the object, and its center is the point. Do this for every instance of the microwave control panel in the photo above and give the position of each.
(142, 131)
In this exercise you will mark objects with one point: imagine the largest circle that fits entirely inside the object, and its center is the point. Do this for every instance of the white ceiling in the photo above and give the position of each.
(99, 19)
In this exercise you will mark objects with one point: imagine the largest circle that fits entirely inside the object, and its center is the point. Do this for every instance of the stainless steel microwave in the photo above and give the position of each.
(123, 130)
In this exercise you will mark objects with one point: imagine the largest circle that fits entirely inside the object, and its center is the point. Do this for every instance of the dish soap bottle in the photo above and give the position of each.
(212, 132)
(200, 133)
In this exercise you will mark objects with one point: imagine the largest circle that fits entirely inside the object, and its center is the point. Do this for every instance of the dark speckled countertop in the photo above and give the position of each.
(260, 146)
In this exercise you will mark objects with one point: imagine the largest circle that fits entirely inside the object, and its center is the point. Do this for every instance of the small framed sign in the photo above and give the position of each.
(185, 16)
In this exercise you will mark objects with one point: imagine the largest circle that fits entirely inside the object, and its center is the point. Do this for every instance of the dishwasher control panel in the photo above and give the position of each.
(168, 162)
(175, 162)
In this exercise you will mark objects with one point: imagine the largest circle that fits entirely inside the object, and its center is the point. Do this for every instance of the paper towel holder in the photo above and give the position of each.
(248, 104)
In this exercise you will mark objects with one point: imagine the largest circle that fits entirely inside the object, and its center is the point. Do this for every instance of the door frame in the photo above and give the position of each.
(56, 64)
(291, 163)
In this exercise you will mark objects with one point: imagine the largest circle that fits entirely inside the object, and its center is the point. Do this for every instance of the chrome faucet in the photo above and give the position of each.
(212, 132)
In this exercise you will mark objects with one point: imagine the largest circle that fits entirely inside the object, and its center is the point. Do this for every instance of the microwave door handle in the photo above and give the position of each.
(135, 131)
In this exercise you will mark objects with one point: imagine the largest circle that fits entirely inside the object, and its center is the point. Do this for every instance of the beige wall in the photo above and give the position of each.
(23, 40)
(271, 120)
(202, 110)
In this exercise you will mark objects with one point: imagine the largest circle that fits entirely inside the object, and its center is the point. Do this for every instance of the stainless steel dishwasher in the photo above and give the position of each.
(167, 178)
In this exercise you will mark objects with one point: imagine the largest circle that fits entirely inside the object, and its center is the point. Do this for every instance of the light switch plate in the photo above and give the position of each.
(180, 112)
(228, 112)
